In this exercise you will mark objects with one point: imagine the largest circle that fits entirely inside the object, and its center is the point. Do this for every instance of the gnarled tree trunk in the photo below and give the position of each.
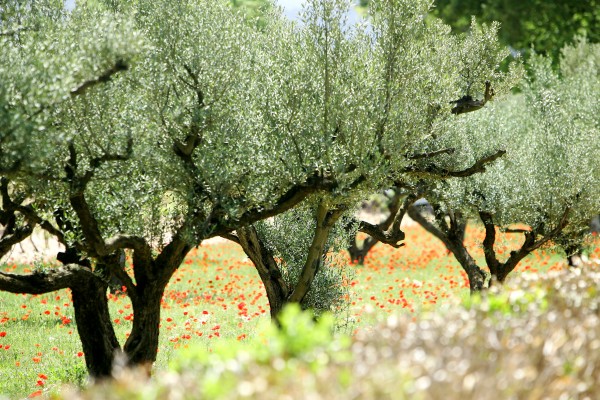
(91, 309)
(94, 326)
(278, 291)
(142, 345)
(264, 262)
(452, 235)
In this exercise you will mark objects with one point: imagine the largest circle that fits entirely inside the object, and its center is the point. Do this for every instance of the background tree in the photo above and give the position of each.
(545, 25)
(549, 178)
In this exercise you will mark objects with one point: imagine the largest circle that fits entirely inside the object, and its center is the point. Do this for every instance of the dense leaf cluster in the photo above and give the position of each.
(550, 133)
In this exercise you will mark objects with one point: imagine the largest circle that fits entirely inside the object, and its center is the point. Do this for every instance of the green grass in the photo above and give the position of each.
(217, 294)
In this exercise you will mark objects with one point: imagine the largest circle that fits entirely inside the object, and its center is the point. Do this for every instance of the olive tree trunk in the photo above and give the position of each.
(279, 292)
(94, 325)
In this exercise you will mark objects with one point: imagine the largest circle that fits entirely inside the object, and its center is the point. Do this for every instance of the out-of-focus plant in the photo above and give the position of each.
(536, 338)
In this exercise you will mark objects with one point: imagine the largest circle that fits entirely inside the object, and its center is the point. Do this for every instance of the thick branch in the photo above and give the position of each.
(452, 237)
(276, 287)
(383, 236)
(419, 218)
(231, 237)
(12, 235)
(315, 183)
(142, 257)
(9, 240)
(479, 166)
(488, 243)
(44, 282)
(88, 222)
(466, 103)
(135, 243)
(530, 244)
(564, 220)
(106, 76)
(393, 235)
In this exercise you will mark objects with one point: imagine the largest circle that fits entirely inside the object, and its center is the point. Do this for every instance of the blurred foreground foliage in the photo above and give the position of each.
(536, 337)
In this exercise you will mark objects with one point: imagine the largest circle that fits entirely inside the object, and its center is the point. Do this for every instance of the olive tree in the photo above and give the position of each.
(549, 179)
(144, 126)
(148, 127)
(384, 92)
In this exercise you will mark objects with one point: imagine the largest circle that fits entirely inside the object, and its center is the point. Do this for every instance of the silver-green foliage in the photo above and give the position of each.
(270, 106)
(550, 132)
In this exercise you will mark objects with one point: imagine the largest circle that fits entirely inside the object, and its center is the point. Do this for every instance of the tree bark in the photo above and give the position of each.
(142, 345)
(278, 291)
(500, 270)
(325, 220)
(268, 270)
(94, 326)
(359, 253)
(89, 303)
(452, 236)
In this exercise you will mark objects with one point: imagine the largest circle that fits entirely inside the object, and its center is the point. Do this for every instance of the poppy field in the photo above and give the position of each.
(216, 294)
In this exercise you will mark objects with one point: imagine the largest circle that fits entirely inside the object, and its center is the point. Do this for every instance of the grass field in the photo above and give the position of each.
(217, 294)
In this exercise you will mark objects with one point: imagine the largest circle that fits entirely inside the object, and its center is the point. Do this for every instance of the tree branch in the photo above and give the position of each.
(489, 242)
(44, 282)
(431, 154)
(466, 103)
(135, 243)
(9, 240)
(393, 235)
(120, 65)
(564, 220)
(478, 167)
(325, 220)
(231, 237)
(276, 287)
(419, 218)
(530, 244)
(315, 183)
(12, 236)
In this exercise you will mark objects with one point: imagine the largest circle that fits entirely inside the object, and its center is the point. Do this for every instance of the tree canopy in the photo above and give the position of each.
(544, 25)
(548, 180)
(149, 126)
